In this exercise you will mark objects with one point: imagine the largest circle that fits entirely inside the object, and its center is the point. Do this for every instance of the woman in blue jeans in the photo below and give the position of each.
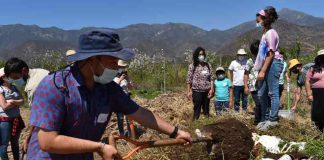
(269, 63)
(10, 121)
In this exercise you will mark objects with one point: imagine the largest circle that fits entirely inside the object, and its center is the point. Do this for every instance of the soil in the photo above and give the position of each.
(232, 137)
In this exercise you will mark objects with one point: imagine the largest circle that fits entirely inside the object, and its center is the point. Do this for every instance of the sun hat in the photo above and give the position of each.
(292, 63)
(122, 63)
(320, 52)
(70, 52)
(100, 42)
(262, 13)
(241, 52)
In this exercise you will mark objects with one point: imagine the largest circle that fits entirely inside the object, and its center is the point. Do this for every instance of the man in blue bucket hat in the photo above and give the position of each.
(72, 106)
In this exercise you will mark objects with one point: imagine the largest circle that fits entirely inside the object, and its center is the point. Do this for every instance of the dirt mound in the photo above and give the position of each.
(233, 139)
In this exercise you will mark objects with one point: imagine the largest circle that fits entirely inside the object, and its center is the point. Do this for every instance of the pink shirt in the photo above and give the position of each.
(316, 80)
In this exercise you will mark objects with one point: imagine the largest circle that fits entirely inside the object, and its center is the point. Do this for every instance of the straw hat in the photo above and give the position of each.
(122, 63)
(70, 52)
(292, 63)
(241, 52)
(2, 72)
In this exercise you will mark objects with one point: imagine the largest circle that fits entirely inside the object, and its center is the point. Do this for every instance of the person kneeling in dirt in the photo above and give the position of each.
(250, 80)
(72, 106)
(200, 83)
(223, 91)
(315, 90)
(297, 68)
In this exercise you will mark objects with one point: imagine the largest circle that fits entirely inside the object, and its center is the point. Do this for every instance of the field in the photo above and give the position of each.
(177, 109)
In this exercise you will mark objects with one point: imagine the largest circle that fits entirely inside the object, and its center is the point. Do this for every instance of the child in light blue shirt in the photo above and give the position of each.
(223, 91)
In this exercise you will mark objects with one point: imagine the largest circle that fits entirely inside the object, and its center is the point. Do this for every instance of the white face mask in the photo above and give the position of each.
(201, 58)
(107, 76)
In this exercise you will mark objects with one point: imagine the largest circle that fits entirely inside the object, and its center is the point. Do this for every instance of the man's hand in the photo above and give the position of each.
(189, 95)
(184, 135)
(108, 152)
(261, 75)
(122, 77)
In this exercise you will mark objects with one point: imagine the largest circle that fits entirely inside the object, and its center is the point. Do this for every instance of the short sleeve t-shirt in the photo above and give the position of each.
(222, 89)
(269, 41)
(316, 79)
(75, 111)
(238, 68)
(8, 94)
(301, 77)
(253, 75)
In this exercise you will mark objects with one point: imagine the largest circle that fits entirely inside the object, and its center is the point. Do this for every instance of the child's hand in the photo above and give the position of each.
(246, 90)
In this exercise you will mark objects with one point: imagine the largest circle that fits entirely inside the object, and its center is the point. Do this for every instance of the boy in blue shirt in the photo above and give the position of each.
(223, 91)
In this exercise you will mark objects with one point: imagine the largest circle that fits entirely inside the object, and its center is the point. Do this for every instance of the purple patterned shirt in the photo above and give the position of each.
(75, 111)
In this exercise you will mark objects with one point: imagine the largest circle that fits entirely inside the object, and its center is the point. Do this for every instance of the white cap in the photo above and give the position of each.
(241, 52)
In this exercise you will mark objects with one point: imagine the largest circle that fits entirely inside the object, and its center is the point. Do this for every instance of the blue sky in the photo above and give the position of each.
(206, 14)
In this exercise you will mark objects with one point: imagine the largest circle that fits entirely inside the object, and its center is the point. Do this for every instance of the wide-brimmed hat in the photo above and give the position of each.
(122, 63)
(100, 42)
(320, 52)
(241, 52)
(292, 63)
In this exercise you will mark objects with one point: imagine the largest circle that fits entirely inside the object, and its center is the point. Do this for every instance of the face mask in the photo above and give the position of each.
(220, 76)
(107, 76)
(201, 58)
(17, 82)
(240, 58)
(294, 70)
(259, 26)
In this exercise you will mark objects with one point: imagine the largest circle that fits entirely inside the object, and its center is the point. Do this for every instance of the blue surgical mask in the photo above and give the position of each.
(259, 26)
(17, 82)
(106, 77)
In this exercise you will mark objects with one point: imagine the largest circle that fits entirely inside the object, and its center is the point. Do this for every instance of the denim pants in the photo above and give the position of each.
(221, 106)
(269, 91)
(257, 108)
(5, 137)
(238, 95)
(200, 101)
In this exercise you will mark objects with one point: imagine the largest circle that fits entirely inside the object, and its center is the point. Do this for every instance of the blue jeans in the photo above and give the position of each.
(5, 137)
(221, 106)
(238, 95)
(269, 92)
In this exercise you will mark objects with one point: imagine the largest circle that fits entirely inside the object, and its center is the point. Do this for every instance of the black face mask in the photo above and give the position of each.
(295, 70)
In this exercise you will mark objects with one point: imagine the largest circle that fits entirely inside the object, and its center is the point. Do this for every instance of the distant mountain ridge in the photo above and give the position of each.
(174, 38)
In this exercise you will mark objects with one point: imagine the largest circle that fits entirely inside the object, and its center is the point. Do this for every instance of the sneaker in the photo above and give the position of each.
(268, 124)
(260, 124)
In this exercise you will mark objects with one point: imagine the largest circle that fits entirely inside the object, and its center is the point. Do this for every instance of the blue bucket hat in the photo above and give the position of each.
(101, 42)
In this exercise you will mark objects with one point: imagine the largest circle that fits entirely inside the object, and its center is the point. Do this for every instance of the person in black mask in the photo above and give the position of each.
(296, 67)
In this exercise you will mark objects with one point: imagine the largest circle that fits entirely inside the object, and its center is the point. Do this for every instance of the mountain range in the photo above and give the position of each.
(175, 38)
